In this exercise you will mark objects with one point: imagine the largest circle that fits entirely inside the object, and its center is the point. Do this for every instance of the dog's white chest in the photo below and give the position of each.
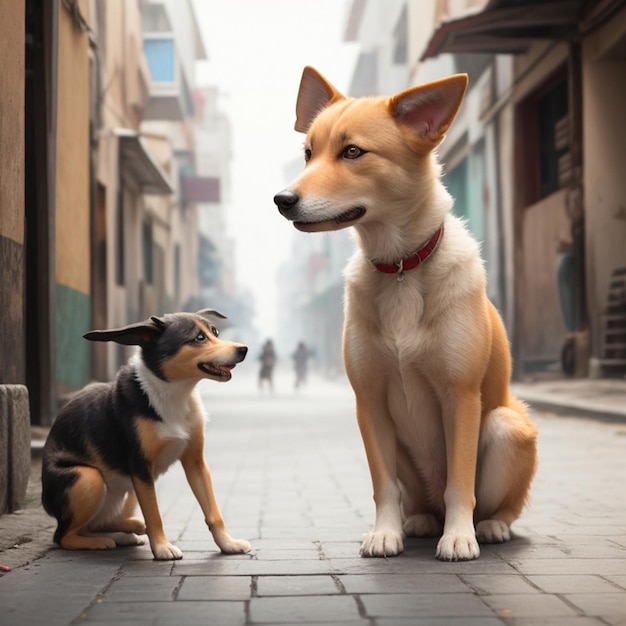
(400, 319)
(403, 345)
(177, 426)
(176, 429)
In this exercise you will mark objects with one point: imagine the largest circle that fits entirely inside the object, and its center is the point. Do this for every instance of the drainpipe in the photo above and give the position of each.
(578, 347)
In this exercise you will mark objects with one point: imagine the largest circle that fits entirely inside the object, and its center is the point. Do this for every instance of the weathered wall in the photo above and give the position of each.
(545, 226)
(72, 203)
(605, 163)
(14, 410)
(12, 367)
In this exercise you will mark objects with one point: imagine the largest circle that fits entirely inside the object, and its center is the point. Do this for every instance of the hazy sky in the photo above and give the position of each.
(257, 50)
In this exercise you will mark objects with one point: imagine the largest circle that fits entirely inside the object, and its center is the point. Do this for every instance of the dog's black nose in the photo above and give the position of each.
(285, 200)
(241, 352)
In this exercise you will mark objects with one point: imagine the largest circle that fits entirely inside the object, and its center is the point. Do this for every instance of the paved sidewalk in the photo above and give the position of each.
(291, 476)
(603, 398)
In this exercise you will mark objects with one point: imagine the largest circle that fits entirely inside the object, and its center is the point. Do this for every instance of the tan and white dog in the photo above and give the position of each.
(450, 450)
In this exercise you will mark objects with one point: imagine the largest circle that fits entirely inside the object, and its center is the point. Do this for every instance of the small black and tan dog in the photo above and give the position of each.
(111, 441)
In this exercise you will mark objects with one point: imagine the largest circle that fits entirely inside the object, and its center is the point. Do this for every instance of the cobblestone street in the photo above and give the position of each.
(291, 477)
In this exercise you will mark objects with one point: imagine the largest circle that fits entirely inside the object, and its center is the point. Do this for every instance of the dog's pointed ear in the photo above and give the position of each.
(140, 334)
(429, 109)
(210, 313)
(314, 95)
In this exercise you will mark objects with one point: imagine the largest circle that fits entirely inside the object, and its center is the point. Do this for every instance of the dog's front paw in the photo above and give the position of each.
(227, 544)
(235, 546)
(493, 531)
(382, 543)
(453, 547)
(166, 552)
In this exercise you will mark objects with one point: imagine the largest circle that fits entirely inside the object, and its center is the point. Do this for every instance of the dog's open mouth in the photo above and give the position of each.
(221, 372)
(340, 221)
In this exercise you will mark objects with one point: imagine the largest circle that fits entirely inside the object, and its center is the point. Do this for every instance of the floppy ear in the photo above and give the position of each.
(141, 334)
(429, 109)
(315, 94)
(210, 313)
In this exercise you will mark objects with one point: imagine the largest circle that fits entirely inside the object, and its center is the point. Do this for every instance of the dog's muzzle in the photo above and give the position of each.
(286, 200)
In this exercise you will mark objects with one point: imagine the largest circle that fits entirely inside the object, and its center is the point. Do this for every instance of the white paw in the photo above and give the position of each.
(382, 543)
(492, 531)
(235, 546)
(457, 548)
(166, 552)
(422, 525)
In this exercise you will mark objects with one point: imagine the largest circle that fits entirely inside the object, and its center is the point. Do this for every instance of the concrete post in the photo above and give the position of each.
(14, 447)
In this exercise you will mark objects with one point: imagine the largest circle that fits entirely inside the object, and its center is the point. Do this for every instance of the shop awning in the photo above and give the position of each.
(506, 27)
(137, 160)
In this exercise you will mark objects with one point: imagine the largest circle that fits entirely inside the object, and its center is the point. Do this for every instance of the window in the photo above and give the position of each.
(543, 130)
(160, 56)
(158, 44)
(553, 128)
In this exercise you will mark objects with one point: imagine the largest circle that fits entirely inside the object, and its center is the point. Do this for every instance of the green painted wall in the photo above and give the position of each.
(12, 343)
(465, 184)
(73, 353)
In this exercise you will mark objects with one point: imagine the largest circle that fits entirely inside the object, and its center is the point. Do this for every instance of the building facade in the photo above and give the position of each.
(549, 89)
(96, 230)
(533, 160)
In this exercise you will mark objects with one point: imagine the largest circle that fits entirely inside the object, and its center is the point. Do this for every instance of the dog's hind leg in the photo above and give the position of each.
(84, 500)
(506, 466)
(124, 538)
(127, 521)
(125, 529)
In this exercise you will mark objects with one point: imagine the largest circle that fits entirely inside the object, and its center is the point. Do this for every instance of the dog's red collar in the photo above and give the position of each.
(417, 258)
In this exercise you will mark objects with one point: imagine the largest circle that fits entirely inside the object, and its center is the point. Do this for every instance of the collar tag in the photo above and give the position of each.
(400, 272)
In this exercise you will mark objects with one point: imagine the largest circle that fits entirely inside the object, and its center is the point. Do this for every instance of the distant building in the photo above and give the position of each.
(96, 231)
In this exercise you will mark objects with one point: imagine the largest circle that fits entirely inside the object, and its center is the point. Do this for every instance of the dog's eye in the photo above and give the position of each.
(200, 337)
(215, 331)
(352, 152)
(307, 155)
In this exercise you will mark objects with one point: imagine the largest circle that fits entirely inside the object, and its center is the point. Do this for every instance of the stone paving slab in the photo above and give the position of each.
(439, 621)
(297, 609)
(168, 613)
(425, 605)
(324, 585)
(202, 588)
(291, 476)
(521, 605)
(400, 583)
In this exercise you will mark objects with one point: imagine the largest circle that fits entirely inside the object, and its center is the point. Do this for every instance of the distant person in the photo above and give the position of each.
(268, 360)
(300, 362)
